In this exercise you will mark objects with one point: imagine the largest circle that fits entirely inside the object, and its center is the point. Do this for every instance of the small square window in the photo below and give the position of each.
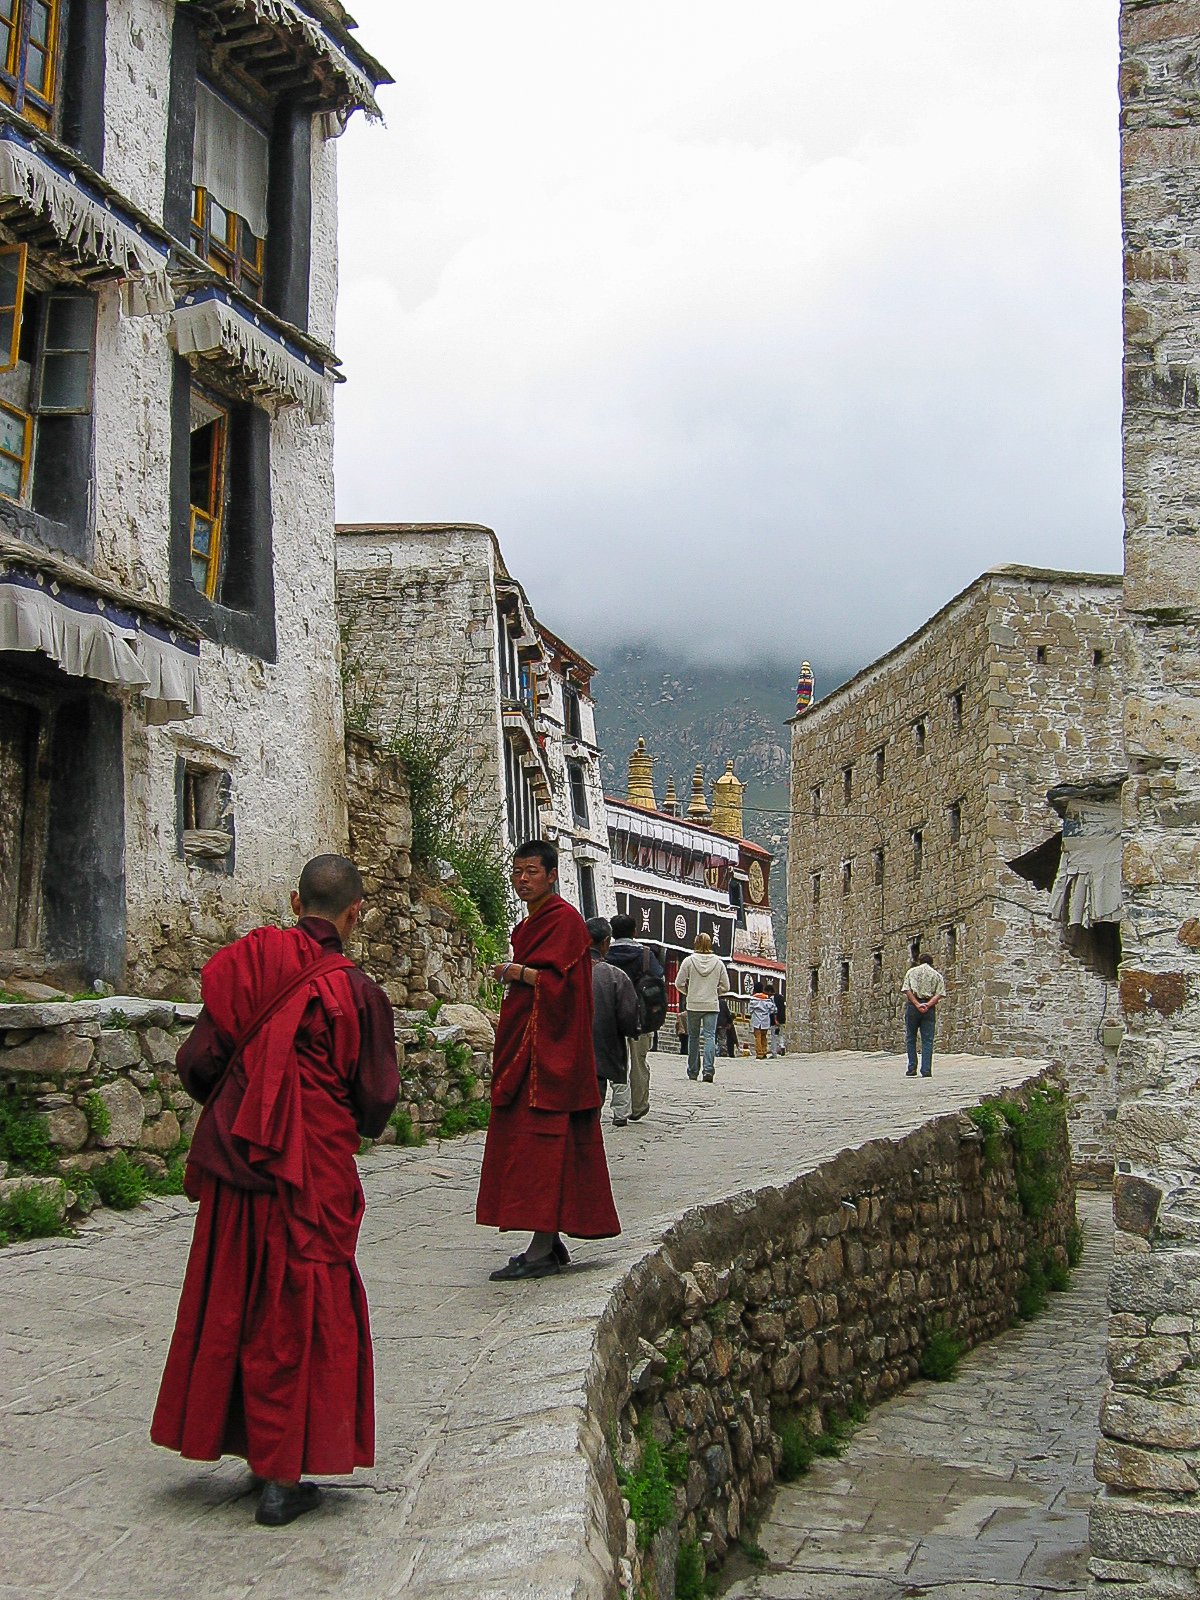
(919, 735)
(579, 804)
(844, 976)
(951, 946)
(847, 874)
(956, 711)
(816, 887)
(1097, 658)
(876, 968)
(918, 848)
(847, 784)
(914, 950)
(954, 814)
(814, 981)
(1041, 655)
(879, 764)
(205, 816)
(878, 860)
(816, 801)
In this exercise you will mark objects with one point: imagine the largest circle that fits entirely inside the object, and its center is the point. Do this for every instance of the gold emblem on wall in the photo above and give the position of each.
(757, 887)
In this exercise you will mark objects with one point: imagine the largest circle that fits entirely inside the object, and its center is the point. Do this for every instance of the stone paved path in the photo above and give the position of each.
(968, 1489)
(481, 1488)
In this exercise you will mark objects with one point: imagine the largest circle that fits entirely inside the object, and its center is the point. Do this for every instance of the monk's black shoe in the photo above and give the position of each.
(561, 1254)
(519, 1267)
(277, 1505)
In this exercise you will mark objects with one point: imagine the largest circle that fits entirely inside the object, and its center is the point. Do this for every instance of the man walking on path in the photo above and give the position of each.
(615, 1021)
(643, 969)
(777, 1046)
(762, 1017)
(701, 981)
(543, 1164)
(924, 986)
(294, 1059)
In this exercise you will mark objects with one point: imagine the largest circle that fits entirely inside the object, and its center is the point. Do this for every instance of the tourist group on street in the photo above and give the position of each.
(294, 1061)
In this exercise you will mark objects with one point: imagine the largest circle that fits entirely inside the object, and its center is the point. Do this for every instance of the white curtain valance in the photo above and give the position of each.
(1087, 888)
(86, 643)
(209, 325)
(231, 159)
(87, 224)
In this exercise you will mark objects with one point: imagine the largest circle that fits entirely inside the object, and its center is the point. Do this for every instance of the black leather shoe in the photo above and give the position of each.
(561, 1254)
(544, 1267)
(911, 1073)
(278, 1506)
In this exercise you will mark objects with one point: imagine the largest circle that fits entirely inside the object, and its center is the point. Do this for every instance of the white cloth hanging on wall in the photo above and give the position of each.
(208, 324)
(1087, 888)
(231, 158)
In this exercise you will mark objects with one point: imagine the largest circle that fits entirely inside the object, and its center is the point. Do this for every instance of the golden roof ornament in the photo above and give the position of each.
(727, 804)
(671, 800)
(698, 806)
(641, 781)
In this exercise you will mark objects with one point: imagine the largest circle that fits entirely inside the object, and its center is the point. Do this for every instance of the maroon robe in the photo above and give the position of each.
(271, 1356)
(544, 1168)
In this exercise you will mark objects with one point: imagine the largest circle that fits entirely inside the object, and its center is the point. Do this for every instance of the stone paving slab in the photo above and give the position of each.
(481, 1488)
(971, 1488)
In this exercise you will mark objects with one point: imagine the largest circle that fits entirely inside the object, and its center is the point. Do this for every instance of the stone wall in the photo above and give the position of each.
(1146, 1520)
(801, 1302)
(410, 941)
(1008, 692)
(63, 1059)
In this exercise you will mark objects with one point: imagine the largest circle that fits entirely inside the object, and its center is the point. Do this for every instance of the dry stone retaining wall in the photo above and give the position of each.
(803, 1301)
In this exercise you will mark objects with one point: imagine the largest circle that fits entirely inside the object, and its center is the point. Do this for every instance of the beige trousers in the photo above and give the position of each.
(639, 1074)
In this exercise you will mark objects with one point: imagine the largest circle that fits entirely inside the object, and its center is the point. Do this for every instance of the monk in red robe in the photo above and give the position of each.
(294, 1059)
(543, 1165)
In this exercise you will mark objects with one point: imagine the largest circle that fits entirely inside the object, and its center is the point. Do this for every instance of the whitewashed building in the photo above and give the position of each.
(170, 706)
(435, 626)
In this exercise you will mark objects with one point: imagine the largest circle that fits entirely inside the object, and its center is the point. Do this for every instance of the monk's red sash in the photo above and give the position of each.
(332, 962)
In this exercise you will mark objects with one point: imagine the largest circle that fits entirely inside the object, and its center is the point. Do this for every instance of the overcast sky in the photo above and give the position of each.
(753, 328)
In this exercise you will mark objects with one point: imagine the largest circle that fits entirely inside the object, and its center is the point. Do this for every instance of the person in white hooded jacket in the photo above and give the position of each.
(701, 981)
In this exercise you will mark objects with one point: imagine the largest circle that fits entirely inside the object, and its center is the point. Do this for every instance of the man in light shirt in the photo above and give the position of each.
(924, 986)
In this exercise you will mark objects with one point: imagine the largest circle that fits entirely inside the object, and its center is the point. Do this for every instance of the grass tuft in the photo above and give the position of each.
(689, 1571)
(406, 1133)
(120, 1184)
(24, 1139)
(464, 1119)
(1075, 1243)
(30, 1214)
(98, 1120)
(1031, 1296)
(942, 1354)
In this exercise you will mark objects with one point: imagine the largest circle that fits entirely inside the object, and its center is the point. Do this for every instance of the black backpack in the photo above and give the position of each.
(652, 997)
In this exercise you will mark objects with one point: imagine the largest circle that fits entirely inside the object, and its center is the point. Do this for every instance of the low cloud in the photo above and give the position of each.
(752, 332)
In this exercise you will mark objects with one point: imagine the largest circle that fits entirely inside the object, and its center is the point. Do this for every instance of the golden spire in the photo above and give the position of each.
(671, 800)
(698, 806)
(727, 804)
(641, 783)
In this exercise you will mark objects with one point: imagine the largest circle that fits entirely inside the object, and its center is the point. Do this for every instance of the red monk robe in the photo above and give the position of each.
(271, 1357)
(543, 1166)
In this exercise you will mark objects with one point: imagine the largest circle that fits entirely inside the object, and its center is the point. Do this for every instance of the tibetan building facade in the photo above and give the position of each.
(169, 691)
(435, 627)
(961, 796)
(682, 873)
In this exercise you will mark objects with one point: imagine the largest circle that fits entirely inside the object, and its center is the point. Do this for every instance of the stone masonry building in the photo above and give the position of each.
(436, 631)
(1145, 1525)
(170, 708)
(930, 798)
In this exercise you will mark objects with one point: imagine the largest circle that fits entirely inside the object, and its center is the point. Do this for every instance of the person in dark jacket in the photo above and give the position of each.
(727, 1030)
(636, 961)
(615, 1020)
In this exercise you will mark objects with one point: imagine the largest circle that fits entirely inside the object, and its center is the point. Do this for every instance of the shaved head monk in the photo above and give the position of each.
(543, 1166)
(294, 1060)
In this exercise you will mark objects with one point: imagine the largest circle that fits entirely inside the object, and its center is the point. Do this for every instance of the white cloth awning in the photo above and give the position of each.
(230, 158)
(87, 223)
(86, 639)
(209, 325)
(1087, 888)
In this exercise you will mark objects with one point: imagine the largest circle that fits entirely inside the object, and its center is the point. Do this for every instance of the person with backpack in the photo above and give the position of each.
(643, 969)
(615, 1020)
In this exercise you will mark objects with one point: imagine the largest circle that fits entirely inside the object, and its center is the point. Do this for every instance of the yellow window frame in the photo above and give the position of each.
(215, 518)
(8, 358)
(27, 443)
(46, 95)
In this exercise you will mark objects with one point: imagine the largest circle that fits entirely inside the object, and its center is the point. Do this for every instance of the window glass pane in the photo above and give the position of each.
(7, 9)
(200, 573)
(10, 478)
(69, 323)
(12, 433)
(39, 23)
(10, 273)
(7, 318)
(202, 537)
(65, 382)
(204, 446)
(218, 220)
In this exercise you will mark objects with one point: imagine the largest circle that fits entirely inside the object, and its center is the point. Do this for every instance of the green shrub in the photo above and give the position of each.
(675, 1459)
(753, 1551)
(1074, 1243)
(943, 1352)
(457, 1055)
(857, 1412)
(1039, 1133)
(1058, 1276)
(406, 1133)
(98, 1120)
(120, 1184)
(24, 1139)
(1031, 1296)
(988, 1120)
(29, 1214)
(674, 1355)
(648, 1490)
(689, 1571)
(464, 1119)
(170, 1181)
(798, 1449)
